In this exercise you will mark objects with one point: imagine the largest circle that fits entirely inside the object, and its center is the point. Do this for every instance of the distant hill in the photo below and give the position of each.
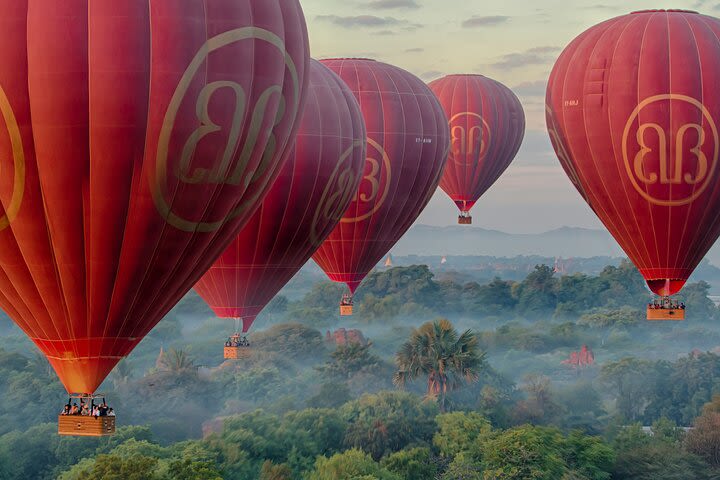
(459, 240)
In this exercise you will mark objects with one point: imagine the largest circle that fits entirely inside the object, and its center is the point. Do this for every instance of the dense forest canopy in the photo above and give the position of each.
(374, 401)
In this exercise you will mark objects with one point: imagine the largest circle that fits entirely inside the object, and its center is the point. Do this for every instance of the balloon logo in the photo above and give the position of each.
(336, 195)
(469, 135)
(661, 162)
(18, 153)
(260, 129)
(374, 186)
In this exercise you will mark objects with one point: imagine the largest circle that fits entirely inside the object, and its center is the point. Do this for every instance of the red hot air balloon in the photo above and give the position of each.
(307, 200)
(632, 111)
(407, 144)
(487, 125)
(136, 139)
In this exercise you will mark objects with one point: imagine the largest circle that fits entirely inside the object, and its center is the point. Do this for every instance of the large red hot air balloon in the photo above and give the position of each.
(487, 125)
(407, 144)
(632, 110)
(137, 137)
(307, 200)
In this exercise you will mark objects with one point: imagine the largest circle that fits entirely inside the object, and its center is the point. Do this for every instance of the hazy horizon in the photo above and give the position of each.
(431, 40)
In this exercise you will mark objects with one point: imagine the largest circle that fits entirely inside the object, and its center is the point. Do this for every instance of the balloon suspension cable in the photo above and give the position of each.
(237, 326)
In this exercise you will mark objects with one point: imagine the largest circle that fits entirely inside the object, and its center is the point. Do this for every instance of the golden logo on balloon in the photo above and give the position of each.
(337, 194)
(233, 166)
(469, 137)
(18, 154)
(374, 186)
(670, 166)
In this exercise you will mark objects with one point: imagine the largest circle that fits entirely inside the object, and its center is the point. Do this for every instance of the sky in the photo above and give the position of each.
(513, 41)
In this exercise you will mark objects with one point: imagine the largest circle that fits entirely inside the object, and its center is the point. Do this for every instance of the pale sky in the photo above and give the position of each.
(513, 41)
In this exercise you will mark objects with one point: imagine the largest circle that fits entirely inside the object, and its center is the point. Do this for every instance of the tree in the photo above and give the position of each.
(630, 381)
(349, 359)
(177, 361)
(270, 471)
(524, 453)
(536, 294)
(437, 352)
(331, 395)
(293, 341)
(189, 469)
(660, 461)
(412, 464)
(122, 373)
(539, 407)
(704, 439)
(115, 467)
(459, 431)
(622, 317)
(493, 298)
(387, 422)
(352, 464)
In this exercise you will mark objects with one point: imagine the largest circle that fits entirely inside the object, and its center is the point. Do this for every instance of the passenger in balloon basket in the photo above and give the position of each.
(83, 409)
(666, 303)
(237, 340)
(347, 299)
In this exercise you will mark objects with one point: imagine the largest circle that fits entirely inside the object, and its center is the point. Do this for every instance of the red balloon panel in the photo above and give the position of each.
(632, 110)
(487, 125)
(135, 142)
(407, 142)
(305, 203)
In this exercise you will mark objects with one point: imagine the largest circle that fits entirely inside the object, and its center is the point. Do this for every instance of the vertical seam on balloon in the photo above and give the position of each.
(121, 324)
(184, 252)
(664, 262)
(199, 267)
(388, 244)
(649, 261)
(47, 227)
(296, 253)
(58, 281)
(357, 262)
(153, 258)
(334, 250)
(447, 183)
(327, 249)
(86, 215)
(702, 239)
(707, 232)
(689, 209)
(452, 167)
(628, 235)
(562, 120)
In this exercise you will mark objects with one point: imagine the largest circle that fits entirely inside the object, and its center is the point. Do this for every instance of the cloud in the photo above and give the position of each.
(431, 75)
(602, 6)
(389, 4)
(531, 89)
(477, 21)
(533, 56)
(414, 50)
(368, 21)
(385, 32)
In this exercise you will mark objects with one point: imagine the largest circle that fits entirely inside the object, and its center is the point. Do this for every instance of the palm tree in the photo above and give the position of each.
(177, 361)
(122, 373)
(438, 352)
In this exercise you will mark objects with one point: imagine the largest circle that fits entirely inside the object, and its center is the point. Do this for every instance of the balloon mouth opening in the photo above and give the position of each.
(467, 75)
(665, 287)
(660, 10)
